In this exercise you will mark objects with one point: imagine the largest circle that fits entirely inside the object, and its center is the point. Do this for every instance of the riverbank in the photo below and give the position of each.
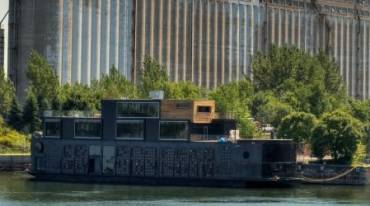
(15, 162)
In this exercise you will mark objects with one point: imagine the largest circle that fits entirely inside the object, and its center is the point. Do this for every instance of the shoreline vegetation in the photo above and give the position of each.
(302, 96)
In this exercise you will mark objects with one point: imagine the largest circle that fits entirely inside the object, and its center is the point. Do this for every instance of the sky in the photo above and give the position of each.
(3, 9)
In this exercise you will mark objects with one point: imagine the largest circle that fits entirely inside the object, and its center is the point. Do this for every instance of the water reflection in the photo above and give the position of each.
(16, 189)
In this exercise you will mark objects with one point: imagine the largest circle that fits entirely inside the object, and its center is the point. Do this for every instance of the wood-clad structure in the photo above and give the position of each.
(197, 111)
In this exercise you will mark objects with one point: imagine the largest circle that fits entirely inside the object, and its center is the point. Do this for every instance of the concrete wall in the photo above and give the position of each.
(208, 42)
(212, 42)
(80, 39)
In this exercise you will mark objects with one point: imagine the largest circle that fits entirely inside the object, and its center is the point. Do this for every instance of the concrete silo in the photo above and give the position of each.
(81, 39)
(208, 42)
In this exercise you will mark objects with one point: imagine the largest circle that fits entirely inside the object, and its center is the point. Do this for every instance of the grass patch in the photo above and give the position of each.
(13, 142)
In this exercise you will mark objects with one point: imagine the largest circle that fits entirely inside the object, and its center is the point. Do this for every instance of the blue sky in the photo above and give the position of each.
(3, 10)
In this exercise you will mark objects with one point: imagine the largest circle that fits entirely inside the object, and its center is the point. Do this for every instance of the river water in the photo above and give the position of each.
(17, 190)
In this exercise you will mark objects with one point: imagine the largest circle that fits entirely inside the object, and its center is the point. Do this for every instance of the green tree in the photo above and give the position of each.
(319, 100)
(31, 117)
(152, 76)
(7, 94)
(79, 97)
(339, 134)
(280, 64)
(113, 85)
(297, 126)
(43, 81)
(234, 98)
(332, 79)
(15, 116)
(360, 109)
(259, 100)
(320, 143)
(268, 109)
(308, 83)
(183, 90)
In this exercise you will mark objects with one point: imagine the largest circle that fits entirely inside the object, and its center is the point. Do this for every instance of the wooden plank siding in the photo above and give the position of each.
(188, 110)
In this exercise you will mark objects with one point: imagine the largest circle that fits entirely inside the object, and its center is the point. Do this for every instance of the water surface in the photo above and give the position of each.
(17, 190)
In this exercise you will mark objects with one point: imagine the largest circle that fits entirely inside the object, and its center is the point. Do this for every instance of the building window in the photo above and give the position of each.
(130, 129)
(52, 128)
(88, 129)
(138, 109)
(173, 130)
(204, 109)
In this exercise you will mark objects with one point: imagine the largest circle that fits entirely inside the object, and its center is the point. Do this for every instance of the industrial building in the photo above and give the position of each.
(208, 42)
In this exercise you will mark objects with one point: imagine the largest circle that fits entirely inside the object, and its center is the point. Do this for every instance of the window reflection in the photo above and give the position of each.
(138, 109)
(130, 129)
(88, 129)
(173, 130)
(52, 128)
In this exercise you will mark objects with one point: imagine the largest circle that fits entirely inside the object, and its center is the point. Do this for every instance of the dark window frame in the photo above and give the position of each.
(120, 116)
(88, 121)
(46, 121)
(187, 127)
(207, 109)
(141, 121)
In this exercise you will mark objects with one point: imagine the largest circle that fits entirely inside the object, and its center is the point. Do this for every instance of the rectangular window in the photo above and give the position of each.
(204, 109)
(138, 109)
(130, 129)
(88, 129)
(174, 130)
(52, 128)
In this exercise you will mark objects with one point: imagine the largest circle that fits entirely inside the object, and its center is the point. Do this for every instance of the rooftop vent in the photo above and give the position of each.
(158, 95)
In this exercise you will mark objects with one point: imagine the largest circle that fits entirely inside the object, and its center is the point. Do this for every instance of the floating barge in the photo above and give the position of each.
(157, 142)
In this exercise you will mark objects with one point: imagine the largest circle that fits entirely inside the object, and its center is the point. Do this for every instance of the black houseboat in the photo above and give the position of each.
(162, 142)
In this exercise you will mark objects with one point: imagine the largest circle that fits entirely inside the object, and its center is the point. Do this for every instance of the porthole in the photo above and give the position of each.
(39, 147)
(246, 155)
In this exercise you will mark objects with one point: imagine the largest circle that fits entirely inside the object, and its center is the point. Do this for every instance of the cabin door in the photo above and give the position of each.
(94, 162)
(205, 132)
(109, 160)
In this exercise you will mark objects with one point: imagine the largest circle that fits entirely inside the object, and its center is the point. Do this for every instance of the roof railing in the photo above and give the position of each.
(72, 113)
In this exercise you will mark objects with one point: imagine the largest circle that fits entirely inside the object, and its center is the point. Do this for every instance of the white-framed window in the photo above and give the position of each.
(52, 128)
(173, 130)
(138, 109)
(130, 129)
(88, 129)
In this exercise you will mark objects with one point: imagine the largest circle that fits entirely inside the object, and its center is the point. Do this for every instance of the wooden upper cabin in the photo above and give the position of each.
(196, 111)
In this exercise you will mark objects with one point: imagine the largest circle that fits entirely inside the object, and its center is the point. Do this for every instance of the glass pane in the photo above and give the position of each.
(131, 129)
(52, 129)
(138, 109)
(87, 129)
(204, 109)
(174, 130)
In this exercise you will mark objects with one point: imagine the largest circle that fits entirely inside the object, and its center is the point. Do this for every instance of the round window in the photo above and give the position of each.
(246, 155)
(39, 147)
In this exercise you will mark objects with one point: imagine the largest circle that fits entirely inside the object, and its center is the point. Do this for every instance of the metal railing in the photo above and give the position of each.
(73, 113)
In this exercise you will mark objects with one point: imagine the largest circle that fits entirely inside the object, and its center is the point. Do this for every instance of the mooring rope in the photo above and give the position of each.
(330, 179)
